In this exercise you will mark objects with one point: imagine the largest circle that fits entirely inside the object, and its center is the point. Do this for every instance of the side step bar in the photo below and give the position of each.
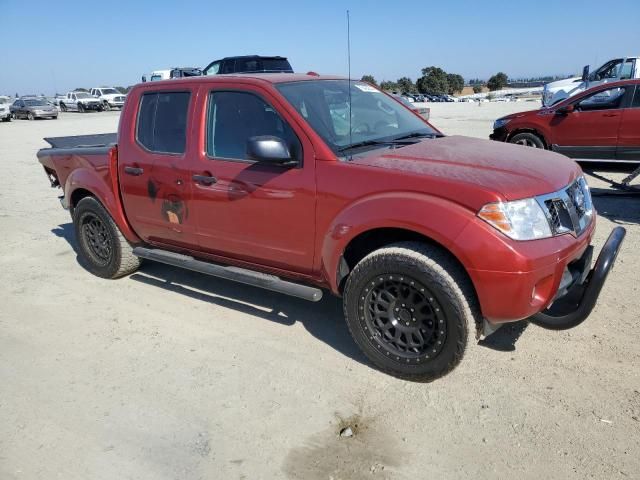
(241, 275)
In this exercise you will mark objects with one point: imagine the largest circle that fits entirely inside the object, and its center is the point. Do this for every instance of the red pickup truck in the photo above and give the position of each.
(304, 183)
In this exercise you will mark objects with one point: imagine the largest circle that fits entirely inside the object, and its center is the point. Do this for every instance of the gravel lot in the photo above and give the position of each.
(174, 375)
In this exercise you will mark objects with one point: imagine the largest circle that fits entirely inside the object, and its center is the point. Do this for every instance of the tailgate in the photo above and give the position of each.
(95, 140)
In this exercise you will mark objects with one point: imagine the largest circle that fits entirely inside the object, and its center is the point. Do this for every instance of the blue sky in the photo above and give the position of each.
(50, 45)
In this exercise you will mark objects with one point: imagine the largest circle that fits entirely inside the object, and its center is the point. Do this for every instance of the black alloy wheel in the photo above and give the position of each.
(404, 317)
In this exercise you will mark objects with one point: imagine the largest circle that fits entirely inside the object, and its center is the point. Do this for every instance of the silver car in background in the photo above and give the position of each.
(32, 108)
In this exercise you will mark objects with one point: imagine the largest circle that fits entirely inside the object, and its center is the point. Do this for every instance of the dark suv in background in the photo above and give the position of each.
(248, 64)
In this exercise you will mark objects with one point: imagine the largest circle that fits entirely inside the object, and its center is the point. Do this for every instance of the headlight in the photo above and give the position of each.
(519, 219)
(501, 122)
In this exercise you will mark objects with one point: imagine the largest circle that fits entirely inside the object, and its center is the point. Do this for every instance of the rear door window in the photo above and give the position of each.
(162, 122)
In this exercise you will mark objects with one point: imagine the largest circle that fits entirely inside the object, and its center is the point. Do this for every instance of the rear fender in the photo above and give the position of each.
(101, 187)
(438, 219)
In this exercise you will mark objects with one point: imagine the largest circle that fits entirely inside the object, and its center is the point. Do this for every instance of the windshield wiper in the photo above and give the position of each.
(366, 143)
(418, 135)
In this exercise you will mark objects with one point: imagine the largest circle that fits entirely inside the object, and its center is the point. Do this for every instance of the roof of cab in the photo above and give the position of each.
(243, 78)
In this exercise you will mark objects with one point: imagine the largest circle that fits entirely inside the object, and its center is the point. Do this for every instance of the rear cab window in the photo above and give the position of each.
(162, 122)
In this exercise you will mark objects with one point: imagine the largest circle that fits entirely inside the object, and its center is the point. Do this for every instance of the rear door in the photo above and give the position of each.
(258, 213)
(153, 169)
(591, 130)
(629, 139)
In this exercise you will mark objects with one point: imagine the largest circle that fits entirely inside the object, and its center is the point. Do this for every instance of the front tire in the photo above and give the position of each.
(63, 107)
(528, 140)
(409, 307)
(106, 107)
(81, 108)
(102, 247)
(30, 116)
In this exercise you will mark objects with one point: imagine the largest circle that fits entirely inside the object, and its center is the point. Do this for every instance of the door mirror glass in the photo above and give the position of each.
(585, 73)
(268, 148)
(565, 110)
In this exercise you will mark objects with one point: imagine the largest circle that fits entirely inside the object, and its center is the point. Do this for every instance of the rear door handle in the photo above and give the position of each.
(609, 114)
(205, 179)
(135, 171)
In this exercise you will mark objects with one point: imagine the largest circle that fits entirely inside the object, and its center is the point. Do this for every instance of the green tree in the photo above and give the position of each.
(406, 85)
(433, 81)
(369, 79)
(477, 88)
(389, 86)
(456, 83)
(498, 81)
(80, 89)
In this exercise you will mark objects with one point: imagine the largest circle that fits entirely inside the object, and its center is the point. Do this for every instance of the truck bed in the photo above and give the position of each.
(83, 141)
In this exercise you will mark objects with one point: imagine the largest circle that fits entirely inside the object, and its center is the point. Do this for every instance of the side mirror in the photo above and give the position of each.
(144, 78)
(567, 109)
(585, 73)
(269, 149)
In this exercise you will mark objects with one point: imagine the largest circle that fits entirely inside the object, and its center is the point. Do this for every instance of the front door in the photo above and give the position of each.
(591, 130)
(254, 212)
(629, 139)
(154, 173)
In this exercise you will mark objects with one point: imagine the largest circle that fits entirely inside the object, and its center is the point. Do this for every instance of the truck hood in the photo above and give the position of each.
(563, 84)
(473, 171)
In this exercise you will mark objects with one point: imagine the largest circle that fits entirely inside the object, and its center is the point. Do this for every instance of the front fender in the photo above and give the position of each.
(438, 219)
(99, 186)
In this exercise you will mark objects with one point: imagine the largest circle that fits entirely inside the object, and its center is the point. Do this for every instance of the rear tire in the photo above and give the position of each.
(409, 307)
(63, 107)
(528, 140)
(8, 118)
(102, 247)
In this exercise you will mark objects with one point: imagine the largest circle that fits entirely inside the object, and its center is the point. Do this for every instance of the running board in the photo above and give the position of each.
(241, 275)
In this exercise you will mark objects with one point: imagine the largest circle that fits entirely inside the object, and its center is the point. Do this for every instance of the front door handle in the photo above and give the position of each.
(205, 179)
(609, 114)
(135, 171)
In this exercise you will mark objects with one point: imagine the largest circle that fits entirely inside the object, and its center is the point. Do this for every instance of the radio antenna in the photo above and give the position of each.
(349, 70)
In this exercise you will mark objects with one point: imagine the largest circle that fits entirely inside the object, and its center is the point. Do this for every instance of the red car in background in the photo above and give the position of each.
(600, 124)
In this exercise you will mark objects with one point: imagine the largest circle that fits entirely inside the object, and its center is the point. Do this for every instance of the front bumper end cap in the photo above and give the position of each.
(576, 305)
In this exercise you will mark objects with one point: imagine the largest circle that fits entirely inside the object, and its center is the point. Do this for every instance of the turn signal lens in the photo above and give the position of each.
(494, 215)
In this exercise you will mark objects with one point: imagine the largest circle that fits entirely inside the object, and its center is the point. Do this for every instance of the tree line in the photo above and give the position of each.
(436, 81)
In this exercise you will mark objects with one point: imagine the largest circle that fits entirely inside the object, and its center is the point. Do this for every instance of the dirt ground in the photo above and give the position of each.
(174, 375)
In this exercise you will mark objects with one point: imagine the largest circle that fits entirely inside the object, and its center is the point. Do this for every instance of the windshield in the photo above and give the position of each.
(35, 103)
(4, 100)
(375, 117)
(109, 91)
(82, 95)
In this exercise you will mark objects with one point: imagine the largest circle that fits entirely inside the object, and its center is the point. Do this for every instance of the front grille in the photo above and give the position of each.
(569, 210)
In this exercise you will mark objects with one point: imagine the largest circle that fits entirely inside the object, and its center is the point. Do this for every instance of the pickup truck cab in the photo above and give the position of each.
(169, 73)
(304, 183)
(612, 71)
(110, 97)
(80, 102)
